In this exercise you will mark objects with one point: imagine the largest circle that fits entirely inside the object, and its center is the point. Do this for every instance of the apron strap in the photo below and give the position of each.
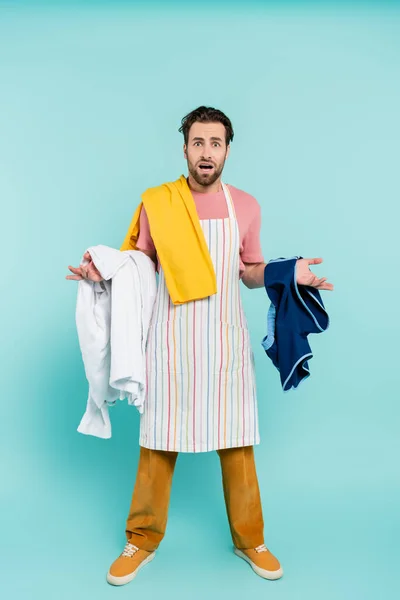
(229, 201)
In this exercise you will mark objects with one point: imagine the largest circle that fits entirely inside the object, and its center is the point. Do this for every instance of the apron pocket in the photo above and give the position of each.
(232, 348)
(222, 348)
(169, 348)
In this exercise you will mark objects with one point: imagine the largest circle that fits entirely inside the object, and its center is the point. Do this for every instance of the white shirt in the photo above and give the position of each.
(112, 319)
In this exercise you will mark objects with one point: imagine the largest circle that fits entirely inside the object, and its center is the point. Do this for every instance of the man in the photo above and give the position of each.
(201, 393)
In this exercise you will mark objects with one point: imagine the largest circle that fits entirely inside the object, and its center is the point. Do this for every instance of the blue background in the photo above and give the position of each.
(91, 100)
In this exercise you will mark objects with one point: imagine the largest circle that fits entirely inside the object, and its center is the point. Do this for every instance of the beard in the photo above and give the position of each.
(203, 177)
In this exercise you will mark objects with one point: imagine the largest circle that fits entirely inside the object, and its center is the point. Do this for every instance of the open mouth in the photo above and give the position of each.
(206, 167)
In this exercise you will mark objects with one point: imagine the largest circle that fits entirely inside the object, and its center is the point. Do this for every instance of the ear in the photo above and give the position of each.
(184, 151)
(228, 149)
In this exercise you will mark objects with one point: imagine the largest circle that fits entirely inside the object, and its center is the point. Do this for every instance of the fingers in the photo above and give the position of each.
(325, 286)
(77, 273)
(319, 281)
(321, 284)
(314, 261)
(74, 277)
(76, 270)
(88, 271)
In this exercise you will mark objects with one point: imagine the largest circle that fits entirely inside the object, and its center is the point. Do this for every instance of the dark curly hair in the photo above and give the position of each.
(206, 114)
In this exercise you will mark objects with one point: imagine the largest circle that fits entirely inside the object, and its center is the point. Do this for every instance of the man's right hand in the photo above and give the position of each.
(88, 271)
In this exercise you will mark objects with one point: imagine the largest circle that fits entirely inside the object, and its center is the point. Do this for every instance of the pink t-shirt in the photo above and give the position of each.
(213, 206)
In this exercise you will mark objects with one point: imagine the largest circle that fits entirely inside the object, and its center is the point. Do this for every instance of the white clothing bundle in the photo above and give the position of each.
(112, 319)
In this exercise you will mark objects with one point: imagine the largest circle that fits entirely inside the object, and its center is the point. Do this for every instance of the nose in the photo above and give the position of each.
(207, 155)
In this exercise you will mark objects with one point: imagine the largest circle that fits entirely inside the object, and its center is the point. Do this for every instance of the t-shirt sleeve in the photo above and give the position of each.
(251, 245)
(145, 241)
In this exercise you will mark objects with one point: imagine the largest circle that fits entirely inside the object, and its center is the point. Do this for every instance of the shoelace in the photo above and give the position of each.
(261, 548)
(129, 550)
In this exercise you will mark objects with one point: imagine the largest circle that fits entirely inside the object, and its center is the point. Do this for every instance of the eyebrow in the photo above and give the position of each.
(202, 139)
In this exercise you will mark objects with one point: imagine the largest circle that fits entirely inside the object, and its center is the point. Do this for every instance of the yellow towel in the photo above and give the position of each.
(179, 240)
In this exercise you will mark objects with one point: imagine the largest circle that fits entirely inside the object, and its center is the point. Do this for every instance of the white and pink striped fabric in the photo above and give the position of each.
(201, 392)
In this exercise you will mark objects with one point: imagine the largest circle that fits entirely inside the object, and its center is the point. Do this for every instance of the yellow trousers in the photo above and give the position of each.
(148, 513)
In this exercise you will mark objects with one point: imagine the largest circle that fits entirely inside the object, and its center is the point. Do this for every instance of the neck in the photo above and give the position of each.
(204, 189)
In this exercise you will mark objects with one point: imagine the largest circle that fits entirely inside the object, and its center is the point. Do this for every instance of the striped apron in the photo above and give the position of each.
(201, 392)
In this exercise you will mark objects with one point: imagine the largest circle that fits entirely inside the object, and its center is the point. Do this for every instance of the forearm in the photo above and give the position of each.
(253, 276)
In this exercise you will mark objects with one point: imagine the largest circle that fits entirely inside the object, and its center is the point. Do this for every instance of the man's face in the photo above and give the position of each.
(206, 152)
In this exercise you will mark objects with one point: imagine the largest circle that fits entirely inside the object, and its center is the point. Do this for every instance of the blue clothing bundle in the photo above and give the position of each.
(295, 312)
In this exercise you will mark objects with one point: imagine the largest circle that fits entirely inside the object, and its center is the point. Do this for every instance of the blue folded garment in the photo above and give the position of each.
(295, 312)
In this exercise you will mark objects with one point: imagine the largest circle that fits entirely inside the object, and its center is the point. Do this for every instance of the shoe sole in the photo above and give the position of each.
(272, 575)
(127, 578)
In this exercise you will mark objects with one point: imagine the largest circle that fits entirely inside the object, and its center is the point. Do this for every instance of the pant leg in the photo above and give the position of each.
(147, 520)
(242, 496)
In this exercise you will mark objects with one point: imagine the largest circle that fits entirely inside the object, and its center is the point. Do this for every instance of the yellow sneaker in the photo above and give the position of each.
(261, 561)
(128, 564)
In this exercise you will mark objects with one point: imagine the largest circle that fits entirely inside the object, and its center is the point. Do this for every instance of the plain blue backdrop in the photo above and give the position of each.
(91, 99)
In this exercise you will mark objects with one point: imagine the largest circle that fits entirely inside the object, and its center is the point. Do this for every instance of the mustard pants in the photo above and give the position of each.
(147, 520)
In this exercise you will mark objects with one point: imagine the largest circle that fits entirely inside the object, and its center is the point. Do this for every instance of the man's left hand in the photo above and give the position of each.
(306, 277)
